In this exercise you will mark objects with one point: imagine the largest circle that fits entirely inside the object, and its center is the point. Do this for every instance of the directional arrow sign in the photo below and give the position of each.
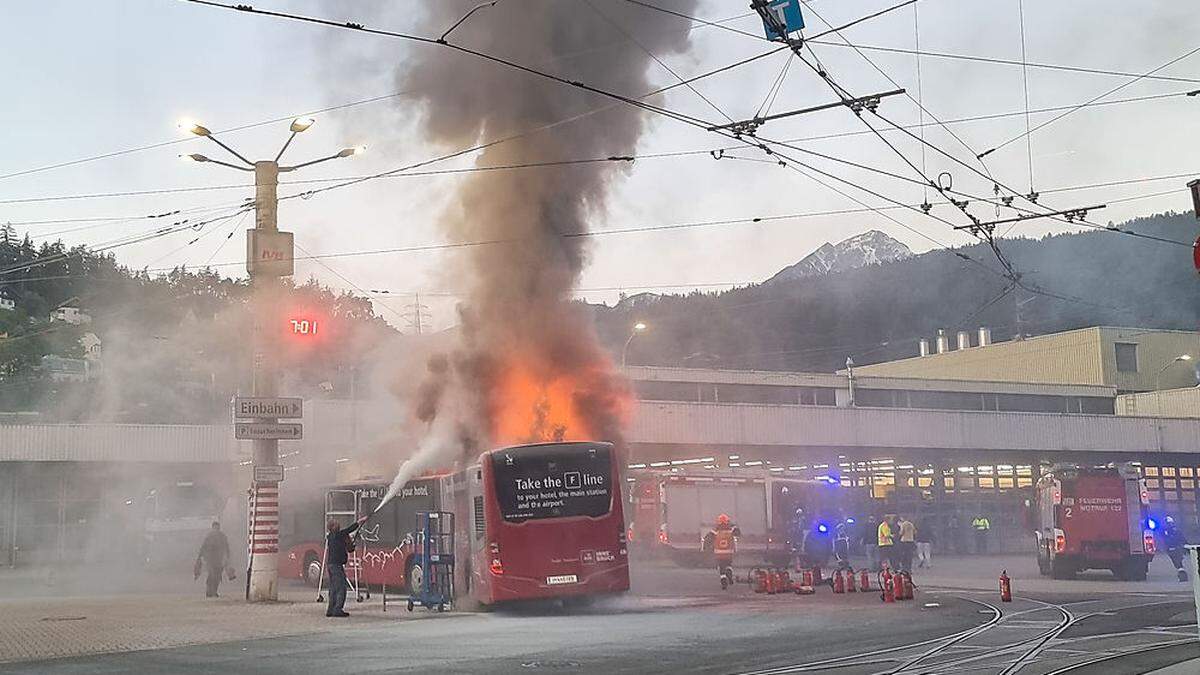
(254, 407)
(268, 431)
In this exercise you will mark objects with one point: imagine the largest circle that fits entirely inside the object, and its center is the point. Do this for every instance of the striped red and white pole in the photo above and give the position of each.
(263, 536)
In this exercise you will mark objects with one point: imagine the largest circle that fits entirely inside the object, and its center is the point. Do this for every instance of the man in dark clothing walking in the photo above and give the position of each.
(214, 553)
(337, 553)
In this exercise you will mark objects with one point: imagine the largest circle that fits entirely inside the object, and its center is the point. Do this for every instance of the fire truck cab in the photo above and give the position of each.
(1093, 518)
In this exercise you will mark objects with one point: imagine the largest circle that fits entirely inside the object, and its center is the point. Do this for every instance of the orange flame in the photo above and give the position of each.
(528, 408)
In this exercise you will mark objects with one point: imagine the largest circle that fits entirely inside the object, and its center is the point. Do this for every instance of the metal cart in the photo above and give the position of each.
(433, 562)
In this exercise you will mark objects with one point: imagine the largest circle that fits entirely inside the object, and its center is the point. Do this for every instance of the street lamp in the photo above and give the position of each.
(637, 328)
(1177, 359)
(270, 254)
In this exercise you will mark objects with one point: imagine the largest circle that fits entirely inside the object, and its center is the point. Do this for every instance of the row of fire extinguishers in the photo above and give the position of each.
(892, 587)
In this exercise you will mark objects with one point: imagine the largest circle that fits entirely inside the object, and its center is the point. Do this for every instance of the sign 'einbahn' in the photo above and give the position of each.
(258, 407)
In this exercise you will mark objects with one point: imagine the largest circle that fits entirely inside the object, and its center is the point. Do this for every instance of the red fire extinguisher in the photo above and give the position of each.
(1005, 587)
(886, 586)
(864, 580)
(817, 574)
(850, 587)
(839, 584)
(808, 578)
(906, 586)
(785, 581)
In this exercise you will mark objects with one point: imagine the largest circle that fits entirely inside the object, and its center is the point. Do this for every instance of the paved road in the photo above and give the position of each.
(677, 621)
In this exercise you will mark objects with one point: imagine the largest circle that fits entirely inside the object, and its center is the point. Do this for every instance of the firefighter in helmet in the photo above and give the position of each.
(1175, 540)
(723, 538)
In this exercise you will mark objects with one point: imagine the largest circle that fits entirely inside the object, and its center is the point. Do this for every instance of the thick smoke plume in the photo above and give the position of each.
(527, 365)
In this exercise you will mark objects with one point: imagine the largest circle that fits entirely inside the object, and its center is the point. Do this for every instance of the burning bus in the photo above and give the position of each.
(543, 521)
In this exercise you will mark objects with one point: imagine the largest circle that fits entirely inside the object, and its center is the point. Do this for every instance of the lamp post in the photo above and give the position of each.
(1158, 384)
(637, 328)
(269, 255)
(1177, 359)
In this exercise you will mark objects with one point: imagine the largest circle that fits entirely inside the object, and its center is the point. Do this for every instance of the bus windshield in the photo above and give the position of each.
(553, 481)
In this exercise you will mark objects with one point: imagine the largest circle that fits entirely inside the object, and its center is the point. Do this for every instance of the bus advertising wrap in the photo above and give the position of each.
(553, 482)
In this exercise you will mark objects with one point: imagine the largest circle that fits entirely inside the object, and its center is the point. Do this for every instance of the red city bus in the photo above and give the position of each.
(542, 521)
(383, 547)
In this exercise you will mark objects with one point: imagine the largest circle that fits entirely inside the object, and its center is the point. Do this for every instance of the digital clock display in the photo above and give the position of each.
(304, 327)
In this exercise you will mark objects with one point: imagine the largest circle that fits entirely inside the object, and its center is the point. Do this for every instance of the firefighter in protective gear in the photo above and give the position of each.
(723, 538)
(1174, 541)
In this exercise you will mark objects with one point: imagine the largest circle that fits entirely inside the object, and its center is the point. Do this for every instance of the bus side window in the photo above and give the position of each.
(479, 527)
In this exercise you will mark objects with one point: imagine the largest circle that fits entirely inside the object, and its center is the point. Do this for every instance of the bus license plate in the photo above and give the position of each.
(562, 579)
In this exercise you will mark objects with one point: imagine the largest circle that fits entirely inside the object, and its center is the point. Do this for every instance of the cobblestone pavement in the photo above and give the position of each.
(45, 628)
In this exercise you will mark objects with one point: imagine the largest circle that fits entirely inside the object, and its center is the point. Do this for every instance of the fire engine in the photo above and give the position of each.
(1093, 518)
(672, 512)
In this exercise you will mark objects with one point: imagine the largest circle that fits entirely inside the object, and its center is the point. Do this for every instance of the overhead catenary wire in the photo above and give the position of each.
(556, 163)
(459, 48)
(920, 97)
(284, 118)
(1025, 86)
(1069, 111)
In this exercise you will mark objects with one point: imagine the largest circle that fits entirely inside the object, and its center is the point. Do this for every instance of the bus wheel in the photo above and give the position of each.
(1043, 564)
(312, 569)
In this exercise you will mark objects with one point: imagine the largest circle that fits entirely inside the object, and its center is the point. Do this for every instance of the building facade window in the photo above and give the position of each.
(1127, 357)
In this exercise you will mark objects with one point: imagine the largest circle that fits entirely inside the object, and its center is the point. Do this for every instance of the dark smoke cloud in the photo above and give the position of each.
(518, 295)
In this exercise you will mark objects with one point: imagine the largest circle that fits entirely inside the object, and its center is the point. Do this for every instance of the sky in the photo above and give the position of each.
(108, 76)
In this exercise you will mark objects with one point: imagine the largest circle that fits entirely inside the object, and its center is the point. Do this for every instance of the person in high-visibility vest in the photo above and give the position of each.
(887, 540)
(724, 542)
(980, 524)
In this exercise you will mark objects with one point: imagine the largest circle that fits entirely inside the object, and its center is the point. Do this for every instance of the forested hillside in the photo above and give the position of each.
(173, 347)
(879, 312)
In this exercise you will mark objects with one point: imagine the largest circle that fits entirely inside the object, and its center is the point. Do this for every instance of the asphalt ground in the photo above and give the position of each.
(675, 620)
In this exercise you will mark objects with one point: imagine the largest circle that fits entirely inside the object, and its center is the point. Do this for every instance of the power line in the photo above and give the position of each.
(276, 120)
(1007, 62)
(1092, 100)
(557, 163)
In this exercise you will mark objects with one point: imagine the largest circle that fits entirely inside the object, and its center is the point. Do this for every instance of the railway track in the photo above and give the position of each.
(999, 645)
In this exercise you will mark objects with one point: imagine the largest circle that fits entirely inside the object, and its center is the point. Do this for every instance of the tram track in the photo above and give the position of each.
(1015, 656)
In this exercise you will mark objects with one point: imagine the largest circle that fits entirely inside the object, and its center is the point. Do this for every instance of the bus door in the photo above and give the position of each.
(476, 530)
(343, 506)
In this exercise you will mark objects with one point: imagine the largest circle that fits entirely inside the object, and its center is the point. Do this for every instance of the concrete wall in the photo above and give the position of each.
(1169, 403)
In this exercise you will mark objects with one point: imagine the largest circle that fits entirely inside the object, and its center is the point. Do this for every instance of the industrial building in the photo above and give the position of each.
(1130, 359)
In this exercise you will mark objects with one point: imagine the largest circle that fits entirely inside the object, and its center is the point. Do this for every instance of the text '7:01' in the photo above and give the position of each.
(304, 327)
